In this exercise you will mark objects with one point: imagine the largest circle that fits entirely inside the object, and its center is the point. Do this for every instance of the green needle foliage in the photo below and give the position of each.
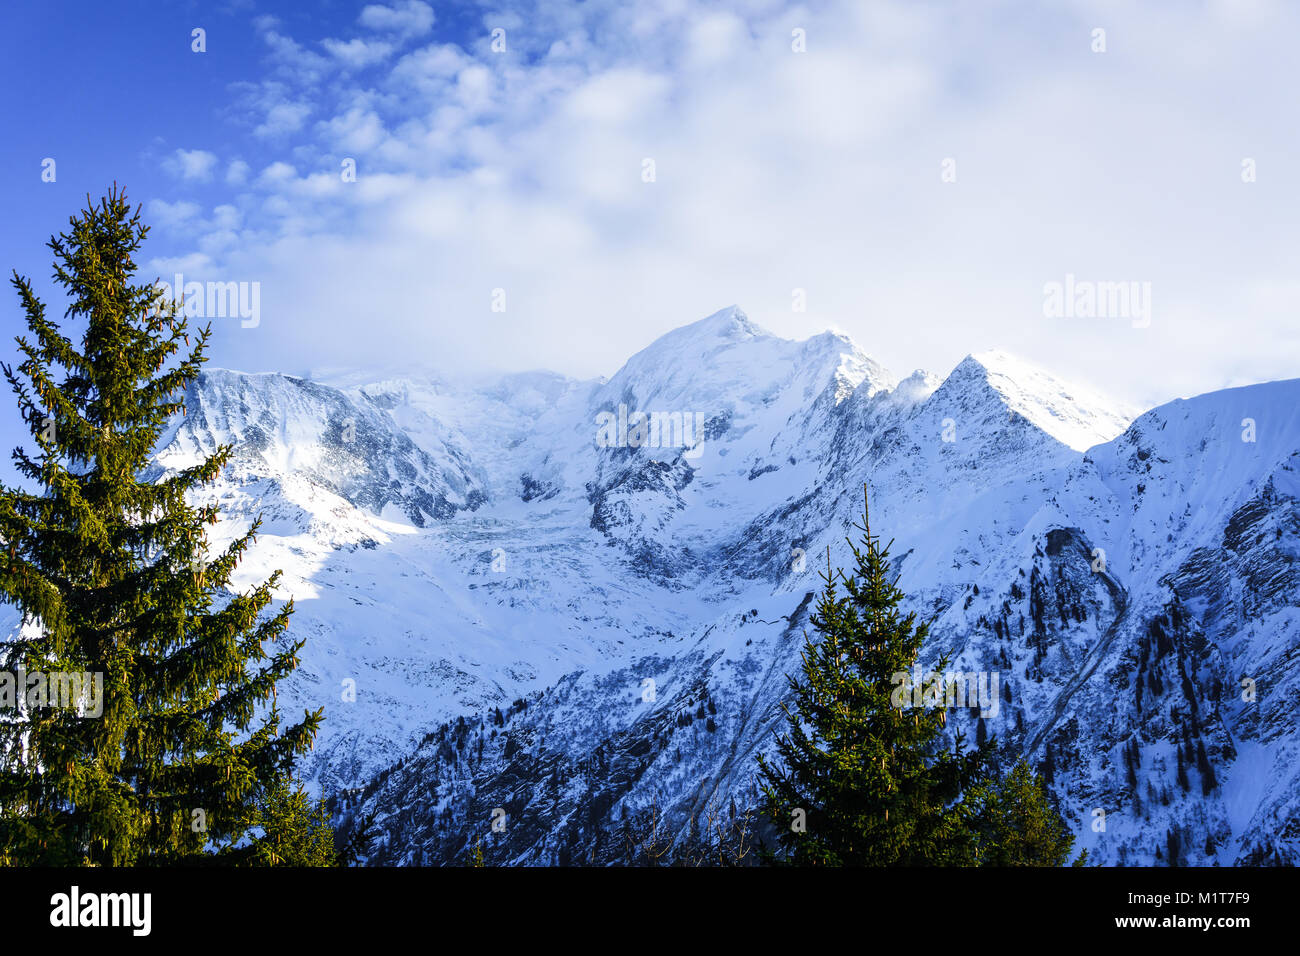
(187, 762)
(858, 781)
(294, 833)
(1017, 824)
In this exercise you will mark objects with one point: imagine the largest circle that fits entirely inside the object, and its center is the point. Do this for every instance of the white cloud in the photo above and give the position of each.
(171, 215)
(226, 217)
(617, 97)
(191, 164)
(284, 118)
(165, 268)
(215, 236)
(277, 174)
(292, 59)
(356, 131)
(715, 38)
(409, 18)
(357, 54)
(237, 172)
(423, 69)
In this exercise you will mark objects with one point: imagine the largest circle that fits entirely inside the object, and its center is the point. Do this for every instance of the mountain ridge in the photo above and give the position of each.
(463, 546)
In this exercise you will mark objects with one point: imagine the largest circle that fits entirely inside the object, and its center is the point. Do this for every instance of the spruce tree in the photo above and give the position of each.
(1017, 824)
(187, 762)
(293, 831)
(857, 780)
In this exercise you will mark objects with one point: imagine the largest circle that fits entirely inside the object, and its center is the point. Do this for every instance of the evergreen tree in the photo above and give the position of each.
(857, 780)
(863, 776)
(358, 832)
(1017, 824)
(187, 761)
(294, 833)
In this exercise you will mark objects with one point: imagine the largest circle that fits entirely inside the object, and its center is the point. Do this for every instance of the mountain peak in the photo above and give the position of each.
(730, 323)
(696, 346)
(1076, 415)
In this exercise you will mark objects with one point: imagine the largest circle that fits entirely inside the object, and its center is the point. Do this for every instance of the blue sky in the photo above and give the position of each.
(776, 169)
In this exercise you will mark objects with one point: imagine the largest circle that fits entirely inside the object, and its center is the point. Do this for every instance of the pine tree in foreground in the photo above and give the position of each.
(187, 762)
(858, 781)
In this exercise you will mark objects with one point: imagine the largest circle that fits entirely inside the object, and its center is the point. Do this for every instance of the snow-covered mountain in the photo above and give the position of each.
(518, 594)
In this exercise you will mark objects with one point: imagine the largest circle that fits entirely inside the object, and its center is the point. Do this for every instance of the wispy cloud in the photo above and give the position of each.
(289, 57)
